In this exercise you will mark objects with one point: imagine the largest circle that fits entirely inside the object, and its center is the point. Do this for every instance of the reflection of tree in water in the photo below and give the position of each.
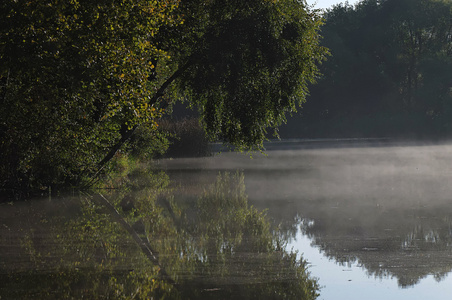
(406, 244)
(70, 249)
(227, 249)
(216, 246)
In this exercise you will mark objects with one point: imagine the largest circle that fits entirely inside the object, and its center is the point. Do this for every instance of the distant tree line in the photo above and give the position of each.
(390, 73)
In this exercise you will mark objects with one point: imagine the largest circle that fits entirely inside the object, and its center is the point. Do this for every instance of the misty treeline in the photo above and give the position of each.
(79, 79)
(390, 73)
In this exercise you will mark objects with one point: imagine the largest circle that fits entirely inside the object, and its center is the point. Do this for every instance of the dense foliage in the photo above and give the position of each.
(390, 73)
(74, 78)
(79, 77)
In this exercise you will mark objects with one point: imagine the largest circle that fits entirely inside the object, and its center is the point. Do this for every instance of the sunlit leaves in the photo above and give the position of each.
(73, 74)
(86, 74)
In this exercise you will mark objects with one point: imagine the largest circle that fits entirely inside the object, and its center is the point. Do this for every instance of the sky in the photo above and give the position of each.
(328, 3)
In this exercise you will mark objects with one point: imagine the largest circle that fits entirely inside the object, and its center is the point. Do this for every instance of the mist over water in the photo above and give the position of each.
(387, 176)
(371, 217)
(391, 176)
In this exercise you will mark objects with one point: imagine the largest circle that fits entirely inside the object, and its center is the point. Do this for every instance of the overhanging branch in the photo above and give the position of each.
(128, 133)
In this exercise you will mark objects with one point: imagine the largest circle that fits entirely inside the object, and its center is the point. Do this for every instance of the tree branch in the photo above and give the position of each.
(165, 85)
(127, 134)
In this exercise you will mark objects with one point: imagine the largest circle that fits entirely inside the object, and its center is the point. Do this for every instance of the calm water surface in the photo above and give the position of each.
(373, 222)
(372, 219)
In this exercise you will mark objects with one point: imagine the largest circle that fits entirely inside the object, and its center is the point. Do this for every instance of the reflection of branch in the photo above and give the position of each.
(143, 244)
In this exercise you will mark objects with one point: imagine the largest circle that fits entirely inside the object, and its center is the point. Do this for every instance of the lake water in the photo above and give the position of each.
(371, 218)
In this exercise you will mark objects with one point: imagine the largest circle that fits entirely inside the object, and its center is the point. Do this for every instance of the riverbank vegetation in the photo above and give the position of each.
(79, 78)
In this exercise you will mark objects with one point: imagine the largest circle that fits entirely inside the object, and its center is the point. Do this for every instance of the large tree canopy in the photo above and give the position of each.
(252, 61)
(78, 77)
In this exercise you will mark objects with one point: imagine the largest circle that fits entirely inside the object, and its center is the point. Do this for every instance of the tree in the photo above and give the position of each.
(75, 77)
(79, 77)
(389, 73)
(423, 31)
(252, 62)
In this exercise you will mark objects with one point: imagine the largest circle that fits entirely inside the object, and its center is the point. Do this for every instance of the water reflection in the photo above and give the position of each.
(386, 211)
(197, 230)
(407, 245)
(144, 241)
